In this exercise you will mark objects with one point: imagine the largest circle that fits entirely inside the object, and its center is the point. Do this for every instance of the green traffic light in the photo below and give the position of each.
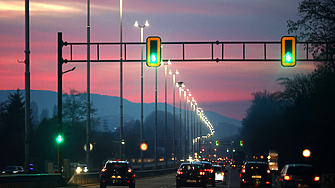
(153, 58)
(59, 139)
(288, 57)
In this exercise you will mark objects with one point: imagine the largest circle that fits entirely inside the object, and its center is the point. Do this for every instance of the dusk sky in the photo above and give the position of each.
(223, 87)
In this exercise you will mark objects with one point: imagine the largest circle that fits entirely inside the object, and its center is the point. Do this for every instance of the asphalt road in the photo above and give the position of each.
(168, 181)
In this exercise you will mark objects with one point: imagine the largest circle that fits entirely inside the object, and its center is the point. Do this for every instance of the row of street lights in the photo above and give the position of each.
(180, 85)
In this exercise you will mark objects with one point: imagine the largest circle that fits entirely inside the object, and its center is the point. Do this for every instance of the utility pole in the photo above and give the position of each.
(27, 90)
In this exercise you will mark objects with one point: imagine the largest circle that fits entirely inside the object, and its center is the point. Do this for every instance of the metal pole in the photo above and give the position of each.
(59, 93)
(155, 117)
(192, 152)
(121, 86)
(88, 121)
(180, 123)
(27, 90)
(185, 144)
(174, 117)
(142, 158)
(165, 149)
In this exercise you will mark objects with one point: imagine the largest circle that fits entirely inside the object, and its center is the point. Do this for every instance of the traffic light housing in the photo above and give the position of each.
(153, 51)
(241, 142)
(288, 51)
(217, 143)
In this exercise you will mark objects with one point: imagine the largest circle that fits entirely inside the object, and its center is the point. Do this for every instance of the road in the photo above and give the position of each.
(168, 181)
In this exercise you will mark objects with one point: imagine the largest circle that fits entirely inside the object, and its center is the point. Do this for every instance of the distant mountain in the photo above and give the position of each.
(108, 107)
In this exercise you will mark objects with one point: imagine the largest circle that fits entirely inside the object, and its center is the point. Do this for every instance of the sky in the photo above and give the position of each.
(225, 87)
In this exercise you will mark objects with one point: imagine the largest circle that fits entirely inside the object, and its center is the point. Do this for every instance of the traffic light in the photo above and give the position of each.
(202, 149)
(234, 150)
(217, 143)
(59, 139)
(153, 51)
(227, 150)
(241, 142)
(288, 51)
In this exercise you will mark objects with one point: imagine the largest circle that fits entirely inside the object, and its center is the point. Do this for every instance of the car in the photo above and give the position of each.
(13, 170)
(219, 174)
(191, 175)
(255, 173)
(210, 171)
(298, 175)
(117, 173)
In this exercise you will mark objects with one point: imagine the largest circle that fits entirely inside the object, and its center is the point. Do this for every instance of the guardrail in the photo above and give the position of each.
(94, 177)
(32, 180)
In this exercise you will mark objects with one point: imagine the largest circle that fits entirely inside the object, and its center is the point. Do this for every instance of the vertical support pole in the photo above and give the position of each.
(27, 90)
(59, 93)
(156, 118)
(142, 158)
(88, 110)
(174, 117)
(121, 87)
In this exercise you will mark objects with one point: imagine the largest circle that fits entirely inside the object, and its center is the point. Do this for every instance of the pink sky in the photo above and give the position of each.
(174, 21)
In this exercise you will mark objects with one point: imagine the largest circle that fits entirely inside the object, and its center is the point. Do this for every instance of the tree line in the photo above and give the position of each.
(302, 115)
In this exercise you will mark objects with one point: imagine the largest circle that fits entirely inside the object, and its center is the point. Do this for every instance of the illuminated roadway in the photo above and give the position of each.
(169, 181)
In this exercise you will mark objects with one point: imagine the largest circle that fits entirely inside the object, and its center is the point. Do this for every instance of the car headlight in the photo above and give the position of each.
(78, 170)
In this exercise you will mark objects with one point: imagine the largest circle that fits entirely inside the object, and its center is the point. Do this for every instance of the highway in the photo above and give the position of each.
(168, 181)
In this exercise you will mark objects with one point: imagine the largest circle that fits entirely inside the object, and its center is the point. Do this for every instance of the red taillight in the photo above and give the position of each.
(267, 182)
(244, 181)
(243, 170)
(104, 170)
(287, 177)
(268, 171)
(129, 170)
(179, 172)
(316, 178)
(210, 170)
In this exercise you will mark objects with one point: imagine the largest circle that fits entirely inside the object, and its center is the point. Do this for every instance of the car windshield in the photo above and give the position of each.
(10, 168)
(301, 170)
(256, 167)
(217, 168)
(116, 166)
(189, 167)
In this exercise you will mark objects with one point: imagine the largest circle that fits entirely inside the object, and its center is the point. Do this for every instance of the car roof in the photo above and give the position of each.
(255, 162)
(304, 165)
(113, 161)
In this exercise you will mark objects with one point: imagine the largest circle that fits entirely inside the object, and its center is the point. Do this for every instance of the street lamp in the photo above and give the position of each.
(180, 85)
(174, 112)
(165, 67)
(145, 25)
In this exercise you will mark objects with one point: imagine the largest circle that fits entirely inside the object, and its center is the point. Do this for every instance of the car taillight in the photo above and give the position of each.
(268, 171)
(210, 170)
(287, 177)
(316, 178)
(179, 172)
(267, 182)
(222, 173)
(104, 170)
(129, 170)
(202, 173)
(243, 170)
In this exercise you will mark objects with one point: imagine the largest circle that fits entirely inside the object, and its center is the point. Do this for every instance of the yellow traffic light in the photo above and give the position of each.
(153, 51)
(288, 51)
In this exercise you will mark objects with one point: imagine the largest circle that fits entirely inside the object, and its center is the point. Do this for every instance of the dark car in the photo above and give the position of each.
(298, 175)
(210, 171)
(255, 173)
(117, 173)
(219, 173)
(13, 170)
(191, 175)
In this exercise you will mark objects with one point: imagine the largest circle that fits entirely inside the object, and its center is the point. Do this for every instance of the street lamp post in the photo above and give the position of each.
(145, 25)
(180, 85)
(165, 156)
(121, 87)
(174, 113)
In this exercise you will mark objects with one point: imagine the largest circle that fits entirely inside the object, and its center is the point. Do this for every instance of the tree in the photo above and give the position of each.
(316, 25)
(13, 126)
